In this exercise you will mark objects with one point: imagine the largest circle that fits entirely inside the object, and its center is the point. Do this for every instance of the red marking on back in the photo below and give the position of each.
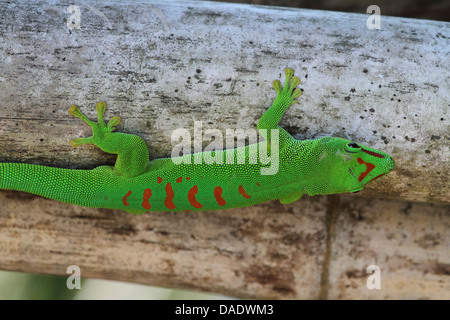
(187, 178)
(159, 179)
(372, 153)
(179, 179)
(243, 193)
(191, 197)
(369, 167)
(378, 176)
(218, 195)
(169, 197)
(125, 198)
(258, 184)
(147, 194)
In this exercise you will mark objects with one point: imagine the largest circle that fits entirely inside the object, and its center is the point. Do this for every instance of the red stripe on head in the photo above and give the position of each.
(147, 194)
(191, 197)
(369, 168)
(372, 153)
(125, 198)
(218, 195)
(159, 179)
(169, 197)
(243, 193)
(179, 179)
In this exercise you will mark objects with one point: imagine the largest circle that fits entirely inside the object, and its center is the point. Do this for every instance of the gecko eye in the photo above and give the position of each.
(352, 147)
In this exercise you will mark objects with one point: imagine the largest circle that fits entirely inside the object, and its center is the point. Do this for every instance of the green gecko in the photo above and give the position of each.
(137, 185)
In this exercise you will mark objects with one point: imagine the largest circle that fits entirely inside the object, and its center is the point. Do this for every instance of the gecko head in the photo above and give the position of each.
(351, 165)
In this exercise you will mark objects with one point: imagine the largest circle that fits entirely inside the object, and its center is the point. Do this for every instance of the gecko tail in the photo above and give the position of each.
(65, 185)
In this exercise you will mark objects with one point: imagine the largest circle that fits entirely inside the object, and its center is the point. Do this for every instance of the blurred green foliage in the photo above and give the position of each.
(25, 286)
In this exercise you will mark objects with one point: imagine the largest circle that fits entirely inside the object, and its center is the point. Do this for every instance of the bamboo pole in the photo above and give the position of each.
(162, 66)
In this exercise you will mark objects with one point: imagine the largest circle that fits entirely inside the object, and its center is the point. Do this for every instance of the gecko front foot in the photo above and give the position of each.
(99, 129)
(289, 93)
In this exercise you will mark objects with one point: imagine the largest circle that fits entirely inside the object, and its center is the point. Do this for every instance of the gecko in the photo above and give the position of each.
(328, 165)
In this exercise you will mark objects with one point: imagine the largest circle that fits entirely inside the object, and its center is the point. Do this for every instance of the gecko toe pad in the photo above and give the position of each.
(101, 108)
(296, 93)
(277, 86)
(79, 141)
(114, 122)
(295, 81)
(289, 72)
(73, 110)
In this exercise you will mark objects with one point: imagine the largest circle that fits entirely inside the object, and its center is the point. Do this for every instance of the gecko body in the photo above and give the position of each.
(322, 166)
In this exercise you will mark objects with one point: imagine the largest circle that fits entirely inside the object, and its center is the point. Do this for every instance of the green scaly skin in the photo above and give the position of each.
(136, 185)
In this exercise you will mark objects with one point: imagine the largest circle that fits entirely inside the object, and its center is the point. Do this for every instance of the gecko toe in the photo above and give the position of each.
(295, 81)
(75, 142)
(79, 141)
(101, 108)
(277, 85)
(114, 122)
(75, 111)
(297, 93)
(289, 72)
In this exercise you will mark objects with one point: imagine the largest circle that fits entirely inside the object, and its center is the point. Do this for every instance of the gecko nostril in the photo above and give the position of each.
(392, 164)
